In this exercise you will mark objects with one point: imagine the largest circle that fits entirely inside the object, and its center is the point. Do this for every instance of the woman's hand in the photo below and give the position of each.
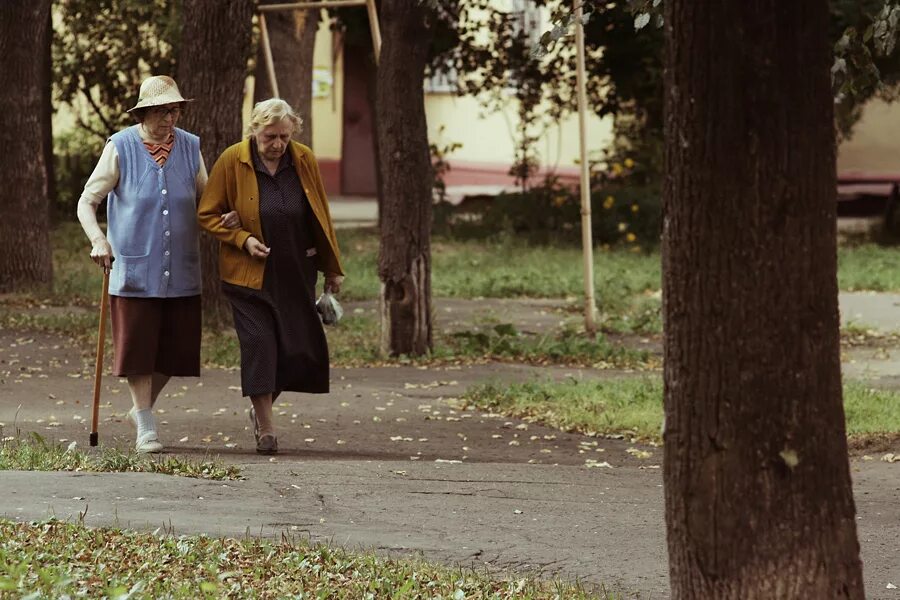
(231, 220)
(101, 253)
(256, 248)
(333, 282)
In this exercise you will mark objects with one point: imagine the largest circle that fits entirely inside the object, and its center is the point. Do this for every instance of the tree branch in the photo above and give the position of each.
(97, 110)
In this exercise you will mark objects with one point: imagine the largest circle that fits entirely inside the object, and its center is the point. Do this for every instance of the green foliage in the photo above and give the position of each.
(621, 215)
(440, 165)
(865, 64)
(52, 559)
(75, 154)
(103, 49)
(624, 75)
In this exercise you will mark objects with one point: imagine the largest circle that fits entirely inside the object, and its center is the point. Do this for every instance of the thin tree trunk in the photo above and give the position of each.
(757, 483)
(215, 48)
(25, 255)
(405, 260)
(292, 34)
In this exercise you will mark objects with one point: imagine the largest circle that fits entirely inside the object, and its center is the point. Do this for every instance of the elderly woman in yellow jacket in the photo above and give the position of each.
(269, 267)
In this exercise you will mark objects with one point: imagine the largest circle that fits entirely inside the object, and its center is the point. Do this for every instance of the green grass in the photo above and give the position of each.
(633, 406)
(53, 559)
(504, 269)
(870, 410)
(627, 289)
(354, 342)
(500, 268)
(34, 453)
(869, 267)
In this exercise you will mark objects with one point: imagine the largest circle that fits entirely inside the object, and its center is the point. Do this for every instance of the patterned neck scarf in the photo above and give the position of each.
(160, 152)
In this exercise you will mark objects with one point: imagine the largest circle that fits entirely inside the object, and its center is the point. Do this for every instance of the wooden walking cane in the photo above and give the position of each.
(98, 370)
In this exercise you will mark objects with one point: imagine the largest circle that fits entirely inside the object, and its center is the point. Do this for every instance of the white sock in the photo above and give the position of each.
(145, 422)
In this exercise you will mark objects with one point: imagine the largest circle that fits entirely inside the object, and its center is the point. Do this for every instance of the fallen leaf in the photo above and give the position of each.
(639, 454)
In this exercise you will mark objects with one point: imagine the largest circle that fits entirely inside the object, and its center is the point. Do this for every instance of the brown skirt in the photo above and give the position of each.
(156, 335)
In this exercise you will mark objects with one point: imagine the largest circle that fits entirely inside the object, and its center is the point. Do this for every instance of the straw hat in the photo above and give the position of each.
(158, 90)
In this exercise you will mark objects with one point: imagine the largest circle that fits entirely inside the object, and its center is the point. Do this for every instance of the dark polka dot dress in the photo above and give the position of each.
(283, 346)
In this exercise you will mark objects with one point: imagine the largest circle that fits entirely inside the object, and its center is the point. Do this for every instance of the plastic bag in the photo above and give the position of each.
(329, 308)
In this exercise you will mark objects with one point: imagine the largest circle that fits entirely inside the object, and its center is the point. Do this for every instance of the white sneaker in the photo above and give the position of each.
(148, 443)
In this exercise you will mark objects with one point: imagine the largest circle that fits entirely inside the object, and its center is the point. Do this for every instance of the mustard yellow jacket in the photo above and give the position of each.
(232, 186)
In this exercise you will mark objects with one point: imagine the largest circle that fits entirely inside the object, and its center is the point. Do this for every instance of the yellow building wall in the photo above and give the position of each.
(491, 137)
(327, 109)
(875, 144)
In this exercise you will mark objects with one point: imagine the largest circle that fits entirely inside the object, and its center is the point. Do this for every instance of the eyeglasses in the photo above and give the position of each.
(165, 112)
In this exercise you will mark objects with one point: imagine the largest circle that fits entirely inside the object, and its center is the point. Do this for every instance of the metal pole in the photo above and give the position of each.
(267, 52)
(587, 240)
(376, 30)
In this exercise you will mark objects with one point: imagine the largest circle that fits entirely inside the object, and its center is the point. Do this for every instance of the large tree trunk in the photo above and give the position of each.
(292, 35)
(405, 260)
(215, 48)
(25, 256)
(757, 482)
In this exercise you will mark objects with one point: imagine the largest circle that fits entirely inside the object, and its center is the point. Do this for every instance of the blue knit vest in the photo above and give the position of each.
(152, 214)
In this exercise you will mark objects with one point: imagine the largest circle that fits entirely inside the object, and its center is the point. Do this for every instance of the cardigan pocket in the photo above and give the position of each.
(132, 273)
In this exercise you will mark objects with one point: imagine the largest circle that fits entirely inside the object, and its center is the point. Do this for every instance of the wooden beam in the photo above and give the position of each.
(267, 52)
(376, 30)
(311, 4)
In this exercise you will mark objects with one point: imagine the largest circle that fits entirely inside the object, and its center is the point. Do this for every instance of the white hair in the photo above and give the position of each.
(273, 110)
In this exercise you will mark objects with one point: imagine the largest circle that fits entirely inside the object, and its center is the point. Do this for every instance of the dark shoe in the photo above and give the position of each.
(267, 444)
(255, 424)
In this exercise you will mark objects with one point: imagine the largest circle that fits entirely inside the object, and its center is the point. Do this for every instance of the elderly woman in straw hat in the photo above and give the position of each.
(152, 174)
(269, 267)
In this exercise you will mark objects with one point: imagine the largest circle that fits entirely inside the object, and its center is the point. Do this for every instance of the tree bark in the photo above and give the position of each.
(25, 254)
(757, 482)
(405, 258)
(47, 123)
(292, 35)
(215, 49)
